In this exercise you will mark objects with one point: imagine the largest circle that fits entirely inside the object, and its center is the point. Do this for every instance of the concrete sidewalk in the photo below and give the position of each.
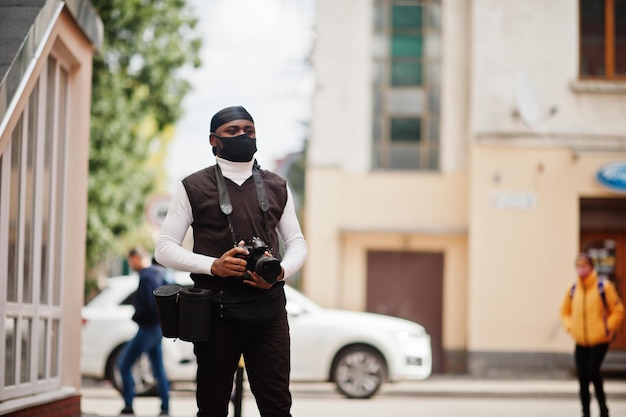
(463, 386)
(101, 400)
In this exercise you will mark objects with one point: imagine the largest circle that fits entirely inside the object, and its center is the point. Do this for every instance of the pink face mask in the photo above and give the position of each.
(583, 269)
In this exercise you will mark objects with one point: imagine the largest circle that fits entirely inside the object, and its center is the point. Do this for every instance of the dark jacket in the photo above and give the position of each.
(144, 302)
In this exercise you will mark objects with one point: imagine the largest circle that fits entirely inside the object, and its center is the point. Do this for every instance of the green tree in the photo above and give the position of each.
(136, 99)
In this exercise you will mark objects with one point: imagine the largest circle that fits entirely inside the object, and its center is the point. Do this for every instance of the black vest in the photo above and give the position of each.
(211, 233)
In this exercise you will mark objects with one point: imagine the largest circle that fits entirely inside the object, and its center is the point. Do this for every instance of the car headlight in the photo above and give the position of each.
(405, 335)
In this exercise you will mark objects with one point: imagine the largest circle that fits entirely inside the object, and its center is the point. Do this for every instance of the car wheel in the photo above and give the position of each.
(145, 383)
(359, 371)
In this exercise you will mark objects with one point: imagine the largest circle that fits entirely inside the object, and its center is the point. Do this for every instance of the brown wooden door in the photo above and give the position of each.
(609, 251)
(409, 285)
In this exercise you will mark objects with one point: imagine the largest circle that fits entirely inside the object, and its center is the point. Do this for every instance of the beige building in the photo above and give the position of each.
(45, 100)
(453, 170)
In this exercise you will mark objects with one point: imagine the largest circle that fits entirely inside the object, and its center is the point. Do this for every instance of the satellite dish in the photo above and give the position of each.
(526, 101)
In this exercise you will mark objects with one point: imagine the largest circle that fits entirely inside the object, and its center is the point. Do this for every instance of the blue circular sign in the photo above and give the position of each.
(613, 176)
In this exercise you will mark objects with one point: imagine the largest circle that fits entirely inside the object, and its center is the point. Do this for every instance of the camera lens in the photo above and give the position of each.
(268, 268)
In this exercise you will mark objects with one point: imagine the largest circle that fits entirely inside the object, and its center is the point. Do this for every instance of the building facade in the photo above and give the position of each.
(45, 101)
(453, 164)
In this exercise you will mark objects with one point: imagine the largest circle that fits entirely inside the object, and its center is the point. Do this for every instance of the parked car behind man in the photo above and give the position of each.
(357, 351)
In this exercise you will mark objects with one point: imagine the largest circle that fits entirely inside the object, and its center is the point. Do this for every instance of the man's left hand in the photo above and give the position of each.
(255, 280)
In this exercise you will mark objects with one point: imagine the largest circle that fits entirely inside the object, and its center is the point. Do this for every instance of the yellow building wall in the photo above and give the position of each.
(353, 289)
(350, 214)
(521, 254)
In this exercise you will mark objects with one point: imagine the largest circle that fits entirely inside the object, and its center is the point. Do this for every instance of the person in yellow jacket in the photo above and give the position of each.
(591, 313)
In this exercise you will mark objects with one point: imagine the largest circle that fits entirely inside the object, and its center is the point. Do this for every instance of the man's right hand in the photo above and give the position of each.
(231, 263)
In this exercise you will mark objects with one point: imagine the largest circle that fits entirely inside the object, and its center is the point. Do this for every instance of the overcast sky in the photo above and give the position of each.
(255, 54)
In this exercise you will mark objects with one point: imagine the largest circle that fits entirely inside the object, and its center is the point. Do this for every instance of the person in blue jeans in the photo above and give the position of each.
(148, 337)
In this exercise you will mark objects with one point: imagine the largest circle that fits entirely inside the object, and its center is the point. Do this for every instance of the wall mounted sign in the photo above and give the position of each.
(156, 209)
(613, 177)
(513, 200)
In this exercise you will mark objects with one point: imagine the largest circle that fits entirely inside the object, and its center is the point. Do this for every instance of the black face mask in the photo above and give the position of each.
(237, 148)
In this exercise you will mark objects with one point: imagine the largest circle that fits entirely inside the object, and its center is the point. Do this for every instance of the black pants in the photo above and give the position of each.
(588, 362)
(266, 351)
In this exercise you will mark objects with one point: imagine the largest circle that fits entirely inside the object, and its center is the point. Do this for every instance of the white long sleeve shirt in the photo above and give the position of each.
(169, 250)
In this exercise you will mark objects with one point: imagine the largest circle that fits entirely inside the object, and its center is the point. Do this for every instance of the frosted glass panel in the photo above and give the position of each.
(407, 102)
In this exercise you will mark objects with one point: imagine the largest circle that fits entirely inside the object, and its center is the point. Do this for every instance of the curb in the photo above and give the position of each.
(501, 388)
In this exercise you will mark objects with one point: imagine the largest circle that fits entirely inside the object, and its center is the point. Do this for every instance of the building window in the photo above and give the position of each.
(603, 39)
(407, 66)
(32, 172)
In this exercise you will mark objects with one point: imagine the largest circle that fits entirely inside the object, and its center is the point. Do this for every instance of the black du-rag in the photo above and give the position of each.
(228, 115)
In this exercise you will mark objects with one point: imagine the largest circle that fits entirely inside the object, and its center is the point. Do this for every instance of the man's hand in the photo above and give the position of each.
(255, 280)
(230, 263)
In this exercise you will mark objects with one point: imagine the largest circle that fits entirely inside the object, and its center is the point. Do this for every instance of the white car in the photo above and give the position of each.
(355, 350)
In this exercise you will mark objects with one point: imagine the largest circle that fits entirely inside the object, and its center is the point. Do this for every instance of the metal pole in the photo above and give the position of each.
(238, 389)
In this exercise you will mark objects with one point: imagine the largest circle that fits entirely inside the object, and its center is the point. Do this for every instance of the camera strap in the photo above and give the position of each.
(227, 207)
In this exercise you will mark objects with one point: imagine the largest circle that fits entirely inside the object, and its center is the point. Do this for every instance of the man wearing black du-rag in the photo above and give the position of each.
(239, 214)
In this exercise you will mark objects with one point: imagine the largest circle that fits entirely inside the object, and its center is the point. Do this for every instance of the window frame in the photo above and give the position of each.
(39, 314)
(609, 45)
(384, 147)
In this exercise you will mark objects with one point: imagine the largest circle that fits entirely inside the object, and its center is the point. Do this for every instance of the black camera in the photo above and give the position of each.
(267, 267)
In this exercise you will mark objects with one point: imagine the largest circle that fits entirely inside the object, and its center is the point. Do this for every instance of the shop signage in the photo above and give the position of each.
(613, 176)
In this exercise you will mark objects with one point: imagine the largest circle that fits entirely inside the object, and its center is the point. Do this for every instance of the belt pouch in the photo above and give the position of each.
(166, 297)
(194, 310)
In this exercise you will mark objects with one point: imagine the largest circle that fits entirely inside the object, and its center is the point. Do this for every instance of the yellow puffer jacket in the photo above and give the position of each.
(584, 316)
